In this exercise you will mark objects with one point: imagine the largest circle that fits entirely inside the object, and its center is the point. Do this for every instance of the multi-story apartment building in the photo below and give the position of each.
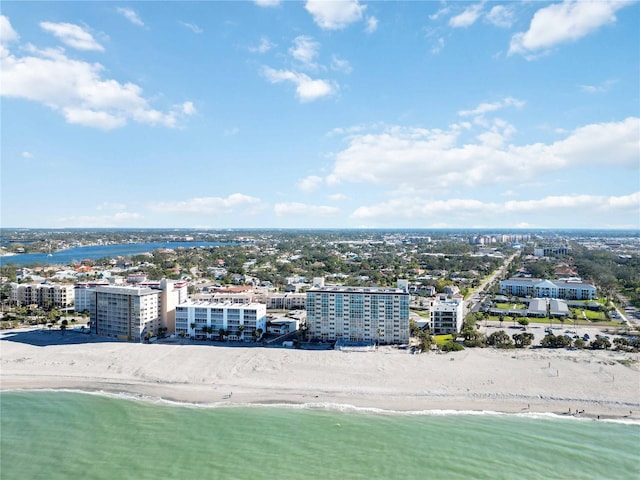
(286, 301)
(358, 314)
(137, 312)
(84, 295)
(45, 295)
(202, 319)
(535, 287)
(125, 312)
(446, 314)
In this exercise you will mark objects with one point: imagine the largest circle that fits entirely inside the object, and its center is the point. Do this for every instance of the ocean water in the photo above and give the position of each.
(71, 435)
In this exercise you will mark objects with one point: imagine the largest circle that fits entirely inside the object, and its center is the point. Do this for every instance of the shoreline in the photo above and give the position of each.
(597, 383)
(531, 412)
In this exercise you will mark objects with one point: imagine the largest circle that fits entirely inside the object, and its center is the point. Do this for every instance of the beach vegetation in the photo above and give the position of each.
(522, 340)
(579, 343)
(451, 346)
(600, 343)
(500, 339)
(474, 338)
(556, 341)
(623, 344)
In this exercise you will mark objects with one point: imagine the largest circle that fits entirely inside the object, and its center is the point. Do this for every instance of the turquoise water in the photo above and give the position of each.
(66, 435)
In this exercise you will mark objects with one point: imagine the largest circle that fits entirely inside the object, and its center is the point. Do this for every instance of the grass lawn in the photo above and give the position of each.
(591, 315)
(511, 306)
(422, 313)
(442, 339)
(508, 321)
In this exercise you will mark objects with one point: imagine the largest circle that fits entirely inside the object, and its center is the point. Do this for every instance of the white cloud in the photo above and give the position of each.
(417, 208)
(340, 64)
(437, 48)
(263, 47)
(192, 26)
(440, 13)
(234, 203)
(335, 15)
(491, 107)
(501, 16)
(188, 108)
(310, 183)
(602, 88)
(302, 209)
(130, 15)
(72, 35)
(230, 132)
(372, 25)
(307, 89)
(488, 159)
(564, 22)
(338, 197)
(7, 33)
(26, 154)
(267, 3)
(120, 219)
(467, 18)
(305, 50)
(77, 90)
(111, 206)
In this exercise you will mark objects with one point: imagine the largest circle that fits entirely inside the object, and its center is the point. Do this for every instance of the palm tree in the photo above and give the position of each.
(222, 332)
(240, 329)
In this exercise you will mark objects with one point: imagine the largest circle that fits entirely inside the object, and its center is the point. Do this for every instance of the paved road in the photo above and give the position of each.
(475, 300)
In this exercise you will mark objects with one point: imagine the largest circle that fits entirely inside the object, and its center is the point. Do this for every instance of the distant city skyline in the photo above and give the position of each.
(344, 114)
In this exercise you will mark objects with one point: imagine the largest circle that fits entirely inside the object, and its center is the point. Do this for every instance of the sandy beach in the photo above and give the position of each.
(537, 380)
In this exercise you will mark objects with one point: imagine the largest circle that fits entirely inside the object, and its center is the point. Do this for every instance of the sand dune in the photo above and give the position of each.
(600, 383)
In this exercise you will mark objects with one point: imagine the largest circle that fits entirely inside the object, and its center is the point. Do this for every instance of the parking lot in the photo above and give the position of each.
(539, 330)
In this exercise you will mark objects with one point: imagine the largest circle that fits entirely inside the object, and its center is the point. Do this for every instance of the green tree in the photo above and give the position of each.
(426, 341)
(579, 343)
(500, 339)
(522, 340)
(600, 343)
(451, 346)
(474, 338)
(555, 341)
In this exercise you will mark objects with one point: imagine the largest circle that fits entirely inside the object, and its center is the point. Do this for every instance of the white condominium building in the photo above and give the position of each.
(203, 319)
(286, 301)
(84, 295)
(535, 287)
(45, 295)
(358, 314)
(446, 314)
(125, 312)
(137, 312)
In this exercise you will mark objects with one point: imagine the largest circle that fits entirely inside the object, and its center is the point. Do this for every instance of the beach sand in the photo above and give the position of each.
(600, 383)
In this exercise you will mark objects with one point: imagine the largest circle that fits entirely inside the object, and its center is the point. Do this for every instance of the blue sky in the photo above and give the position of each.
(342, 114)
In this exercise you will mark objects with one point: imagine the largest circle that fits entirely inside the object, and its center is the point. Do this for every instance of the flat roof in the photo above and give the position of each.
(341, 289)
